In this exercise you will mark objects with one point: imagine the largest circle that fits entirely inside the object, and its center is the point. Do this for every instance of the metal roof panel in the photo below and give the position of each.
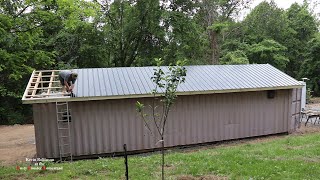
(129, 82)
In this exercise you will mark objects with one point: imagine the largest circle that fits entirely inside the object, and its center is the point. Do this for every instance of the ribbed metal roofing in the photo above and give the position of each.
(136, 81)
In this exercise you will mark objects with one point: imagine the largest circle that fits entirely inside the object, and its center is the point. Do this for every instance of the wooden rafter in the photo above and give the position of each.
(28, 85)
(37, 84)
(47, 76)
(42, 85)
(45, 81)
(50, 83)
(45, 95)
(45, 88)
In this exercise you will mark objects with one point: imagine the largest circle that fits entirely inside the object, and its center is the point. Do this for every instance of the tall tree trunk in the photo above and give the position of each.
(162, 152)
(214, 47)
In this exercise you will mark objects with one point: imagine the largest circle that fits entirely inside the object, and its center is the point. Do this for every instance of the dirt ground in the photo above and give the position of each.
(16, 143)
(314, 103)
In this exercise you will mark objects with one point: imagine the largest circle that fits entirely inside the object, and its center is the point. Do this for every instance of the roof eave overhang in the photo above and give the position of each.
(93, 98)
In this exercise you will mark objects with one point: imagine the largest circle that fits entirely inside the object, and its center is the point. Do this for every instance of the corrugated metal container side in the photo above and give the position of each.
(295, 109)
(104, 126)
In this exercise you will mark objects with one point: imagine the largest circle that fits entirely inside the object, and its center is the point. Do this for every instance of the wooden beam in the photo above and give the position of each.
(37, 84)
(47, 76)
(36, 80)
(50, 84)
(45, 95)
(44, 82)
(48, 71)
(43, 88)
(28, 85)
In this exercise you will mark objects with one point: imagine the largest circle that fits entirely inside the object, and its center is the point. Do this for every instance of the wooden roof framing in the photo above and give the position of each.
(43, 85)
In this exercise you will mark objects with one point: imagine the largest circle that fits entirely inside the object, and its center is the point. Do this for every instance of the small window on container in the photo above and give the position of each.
(271, 94)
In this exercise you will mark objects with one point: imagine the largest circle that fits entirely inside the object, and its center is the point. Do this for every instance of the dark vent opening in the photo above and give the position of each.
(271, 94)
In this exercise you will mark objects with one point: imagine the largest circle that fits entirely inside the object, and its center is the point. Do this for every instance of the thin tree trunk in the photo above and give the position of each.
(162, 152)
(214, 48)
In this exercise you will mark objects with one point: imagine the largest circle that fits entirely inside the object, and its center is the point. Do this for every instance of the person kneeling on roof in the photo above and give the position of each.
(67, 79)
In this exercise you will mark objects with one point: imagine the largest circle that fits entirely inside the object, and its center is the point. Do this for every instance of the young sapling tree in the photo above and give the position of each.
(167, 80)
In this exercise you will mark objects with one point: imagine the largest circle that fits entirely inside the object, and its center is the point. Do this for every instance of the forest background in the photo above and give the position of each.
(64, 34)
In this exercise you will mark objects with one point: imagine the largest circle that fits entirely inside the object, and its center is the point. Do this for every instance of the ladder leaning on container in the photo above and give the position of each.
(64, 134)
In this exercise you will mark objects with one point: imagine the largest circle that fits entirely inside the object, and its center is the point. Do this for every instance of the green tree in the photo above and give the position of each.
(166, 84)
(266, 20)
(311, 66)
(302, 27)
(235, 57)
(27, 29)
(268, 51)
(214, 16)
(131, 30)
(233, 51)
(184, 37)
(21, 50)
(73, 35)
(292, 29)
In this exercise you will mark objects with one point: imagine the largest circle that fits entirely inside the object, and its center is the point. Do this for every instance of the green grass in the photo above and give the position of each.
(289, 157)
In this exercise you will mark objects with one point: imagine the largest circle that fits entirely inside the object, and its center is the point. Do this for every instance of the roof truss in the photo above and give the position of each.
(44, 85)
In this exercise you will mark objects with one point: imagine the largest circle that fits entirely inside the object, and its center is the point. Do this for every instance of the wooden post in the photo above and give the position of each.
(126, 161)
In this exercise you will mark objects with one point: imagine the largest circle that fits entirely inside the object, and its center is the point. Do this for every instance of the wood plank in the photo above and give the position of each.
(44, 82)
(49, 71)
(47, 76)
(28, 85)
(37, 84)
(46, 88)
(45, 95)
(36, 80)
(50, 84)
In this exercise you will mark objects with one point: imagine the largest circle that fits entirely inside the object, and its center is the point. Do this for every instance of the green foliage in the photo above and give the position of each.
(183, 38)
(266, 21)
(139, 106)
(219, 27)
(309, 95)
(292, 29)
(268, 51)
(20, 52)
(60, 34)
(235, 57)
(311, 66)
(302, 27)
(169, 81)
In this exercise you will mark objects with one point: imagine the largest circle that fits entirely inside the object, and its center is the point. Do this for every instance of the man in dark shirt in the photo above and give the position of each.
(67, 79)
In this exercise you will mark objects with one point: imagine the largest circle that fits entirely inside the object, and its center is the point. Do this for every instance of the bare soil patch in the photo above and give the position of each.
(314, 101)
(310, 128)
(16, 144)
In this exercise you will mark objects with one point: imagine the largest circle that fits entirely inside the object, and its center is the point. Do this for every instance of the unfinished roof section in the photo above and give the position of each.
(44, 85)
(135, 82)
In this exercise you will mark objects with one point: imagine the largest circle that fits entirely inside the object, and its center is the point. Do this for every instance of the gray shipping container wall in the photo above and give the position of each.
(104, 126)
(296, 101)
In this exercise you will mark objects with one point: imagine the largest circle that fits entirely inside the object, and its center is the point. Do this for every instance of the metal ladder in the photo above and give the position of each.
(64, 134)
